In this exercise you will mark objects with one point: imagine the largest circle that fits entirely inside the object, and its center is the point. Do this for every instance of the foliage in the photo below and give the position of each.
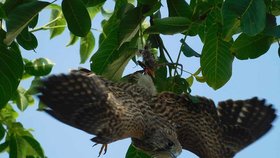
(242, 29)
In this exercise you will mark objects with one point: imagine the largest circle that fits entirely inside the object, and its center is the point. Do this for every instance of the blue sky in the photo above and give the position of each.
(259, 77)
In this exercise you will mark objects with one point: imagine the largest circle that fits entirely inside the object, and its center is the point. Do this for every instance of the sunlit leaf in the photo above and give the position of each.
(35, 145)
(86, 46)
(8, 114)
(23, 99)
(58, 26)
(16, 147)
(216, 60)
(39, 67)
(77, 17)
(200, 79)
(36, 82)
(73, 39)
(19, 18)
(94, 10)
(190, 80)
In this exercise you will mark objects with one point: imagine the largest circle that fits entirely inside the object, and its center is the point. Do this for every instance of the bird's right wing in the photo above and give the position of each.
(84, 100)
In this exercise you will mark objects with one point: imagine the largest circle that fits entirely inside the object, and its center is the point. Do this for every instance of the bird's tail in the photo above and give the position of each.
(245, 121)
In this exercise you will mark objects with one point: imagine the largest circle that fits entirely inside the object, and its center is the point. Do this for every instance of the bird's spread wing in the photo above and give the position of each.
(82, 100)
(244, 121)
(212, 132)
(109, 110)
(196, 121)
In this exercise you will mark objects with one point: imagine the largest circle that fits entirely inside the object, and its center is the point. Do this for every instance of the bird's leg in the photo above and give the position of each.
(103, 148)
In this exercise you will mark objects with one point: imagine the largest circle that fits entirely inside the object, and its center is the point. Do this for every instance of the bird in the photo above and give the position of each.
(159, 123)
(110, 111)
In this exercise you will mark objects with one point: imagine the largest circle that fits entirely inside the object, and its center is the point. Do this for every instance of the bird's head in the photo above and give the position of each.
(160, 144)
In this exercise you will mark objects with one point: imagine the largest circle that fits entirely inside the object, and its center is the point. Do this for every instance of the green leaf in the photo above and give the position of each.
(245, 47)
(187, 50)
(169, 26)
(115, 69)
(94, 10)
(279, 52)
(253, 18)
(231, 22)
(11, 71)
(27, 40)
(4, 146)
(8, 114)
(36, 82)
(216, 59)
(190, 80)
(41, 106)
(132, 152)
(3, 14)
(130, 24)
(179, 8)
(93, 3)
(271, 28)
(105, 52)
(19, 18)
(34, 21)
(17, 147)
(39, 67)
(73, 39)
(58, 26)
(275, 7)
(2, 132)
(77, 17)
(23, 99)
(252, 15)
(147, 2)
(86, 46)
(35, 145)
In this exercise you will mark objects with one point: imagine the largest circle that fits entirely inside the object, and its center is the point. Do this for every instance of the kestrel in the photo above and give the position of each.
(110, 111)
(159, 124)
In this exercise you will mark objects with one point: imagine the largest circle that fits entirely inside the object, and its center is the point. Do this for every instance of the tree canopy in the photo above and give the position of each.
(228, 30)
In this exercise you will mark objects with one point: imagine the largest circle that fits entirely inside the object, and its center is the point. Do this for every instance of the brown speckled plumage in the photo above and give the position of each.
(160, 124)
(111, 111)
(212, 132)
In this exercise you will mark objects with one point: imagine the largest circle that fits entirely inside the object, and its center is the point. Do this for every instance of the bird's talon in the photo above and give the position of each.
(103, 147)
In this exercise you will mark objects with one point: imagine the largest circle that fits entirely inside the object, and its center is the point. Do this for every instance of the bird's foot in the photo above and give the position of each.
(102, 149)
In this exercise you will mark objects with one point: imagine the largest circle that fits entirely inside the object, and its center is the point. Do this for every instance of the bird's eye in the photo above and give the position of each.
(170, 144)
